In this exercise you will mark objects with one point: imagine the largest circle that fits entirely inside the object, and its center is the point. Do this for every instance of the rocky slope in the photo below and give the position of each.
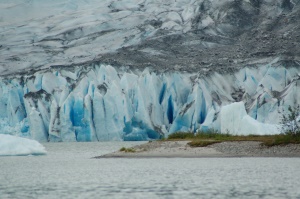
(185, 35)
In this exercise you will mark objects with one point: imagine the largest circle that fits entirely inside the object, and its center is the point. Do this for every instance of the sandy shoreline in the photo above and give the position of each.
(180, 149)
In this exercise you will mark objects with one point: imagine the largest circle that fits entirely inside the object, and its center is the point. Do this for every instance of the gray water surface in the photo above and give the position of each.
(68, 171)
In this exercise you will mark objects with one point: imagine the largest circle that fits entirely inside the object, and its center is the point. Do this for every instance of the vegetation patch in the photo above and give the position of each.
(181, 136)
(128, 150)
(290, 134)
(290, 122)
(201, 143)
(282, 139)
(202, 139)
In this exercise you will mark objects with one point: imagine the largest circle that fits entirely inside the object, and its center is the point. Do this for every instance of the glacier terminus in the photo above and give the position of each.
(129, 70)
(102, 103)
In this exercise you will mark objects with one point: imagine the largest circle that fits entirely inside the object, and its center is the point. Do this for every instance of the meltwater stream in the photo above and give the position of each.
(69, 171)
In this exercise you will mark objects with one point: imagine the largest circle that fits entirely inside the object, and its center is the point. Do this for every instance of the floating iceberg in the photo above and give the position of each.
(12, 145)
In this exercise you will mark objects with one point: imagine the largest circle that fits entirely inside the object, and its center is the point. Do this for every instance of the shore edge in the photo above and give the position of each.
(181, 149)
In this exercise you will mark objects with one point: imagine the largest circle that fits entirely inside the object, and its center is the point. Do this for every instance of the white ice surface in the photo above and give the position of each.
(234, 120)
(12, 145)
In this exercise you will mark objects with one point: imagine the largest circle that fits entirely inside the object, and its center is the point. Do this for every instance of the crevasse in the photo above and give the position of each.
(101, 103)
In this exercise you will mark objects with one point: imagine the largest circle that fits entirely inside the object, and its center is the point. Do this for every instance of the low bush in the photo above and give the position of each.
(202, 139)
(201, 143)
(181, 136)
(128, 150)
(282, 139)
(290, 122)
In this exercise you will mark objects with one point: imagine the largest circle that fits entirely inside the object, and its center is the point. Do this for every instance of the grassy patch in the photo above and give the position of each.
(282, 140)
(201, 143)
(203, 139)
(181, 136)
(128, 150)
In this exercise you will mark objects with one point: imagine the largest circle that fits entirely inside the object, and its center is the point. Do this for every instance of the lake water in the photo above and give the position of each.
(68, 171)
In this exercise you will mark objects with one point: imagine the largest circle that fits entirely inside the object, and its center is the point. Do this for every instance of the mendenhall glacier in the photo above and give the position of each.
(101, 103)
(129, 70)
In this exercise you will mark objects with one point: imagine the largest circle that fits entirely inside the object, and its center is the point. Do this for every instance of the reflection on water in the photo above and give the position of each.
(68, 171)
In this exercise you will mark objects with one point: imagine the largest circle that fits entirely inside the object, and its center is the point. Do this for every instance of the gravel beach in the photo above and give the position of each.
(174, 149)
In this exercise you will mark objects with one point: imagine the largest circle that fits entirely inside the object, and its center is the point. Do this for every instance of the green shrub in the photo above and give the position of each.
(128, 150)
(201, 143)
(181, 136)
(199, 135)
(202, 139)
(290, 124)
(282, 139)
(212, 134)
(123, 149)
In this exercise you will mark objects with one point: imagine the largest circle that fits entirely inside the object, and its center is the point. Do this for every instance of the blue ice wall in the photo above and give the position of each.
(99, 103)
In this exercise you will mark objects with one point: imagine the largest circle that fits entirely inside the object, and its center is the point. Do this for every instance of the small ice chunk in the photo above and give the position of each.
(12, 145)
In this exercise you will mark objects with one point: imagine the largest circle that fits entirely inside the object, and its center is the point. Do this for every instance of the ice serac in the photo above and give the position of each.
(234, 120)
(101, 103)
